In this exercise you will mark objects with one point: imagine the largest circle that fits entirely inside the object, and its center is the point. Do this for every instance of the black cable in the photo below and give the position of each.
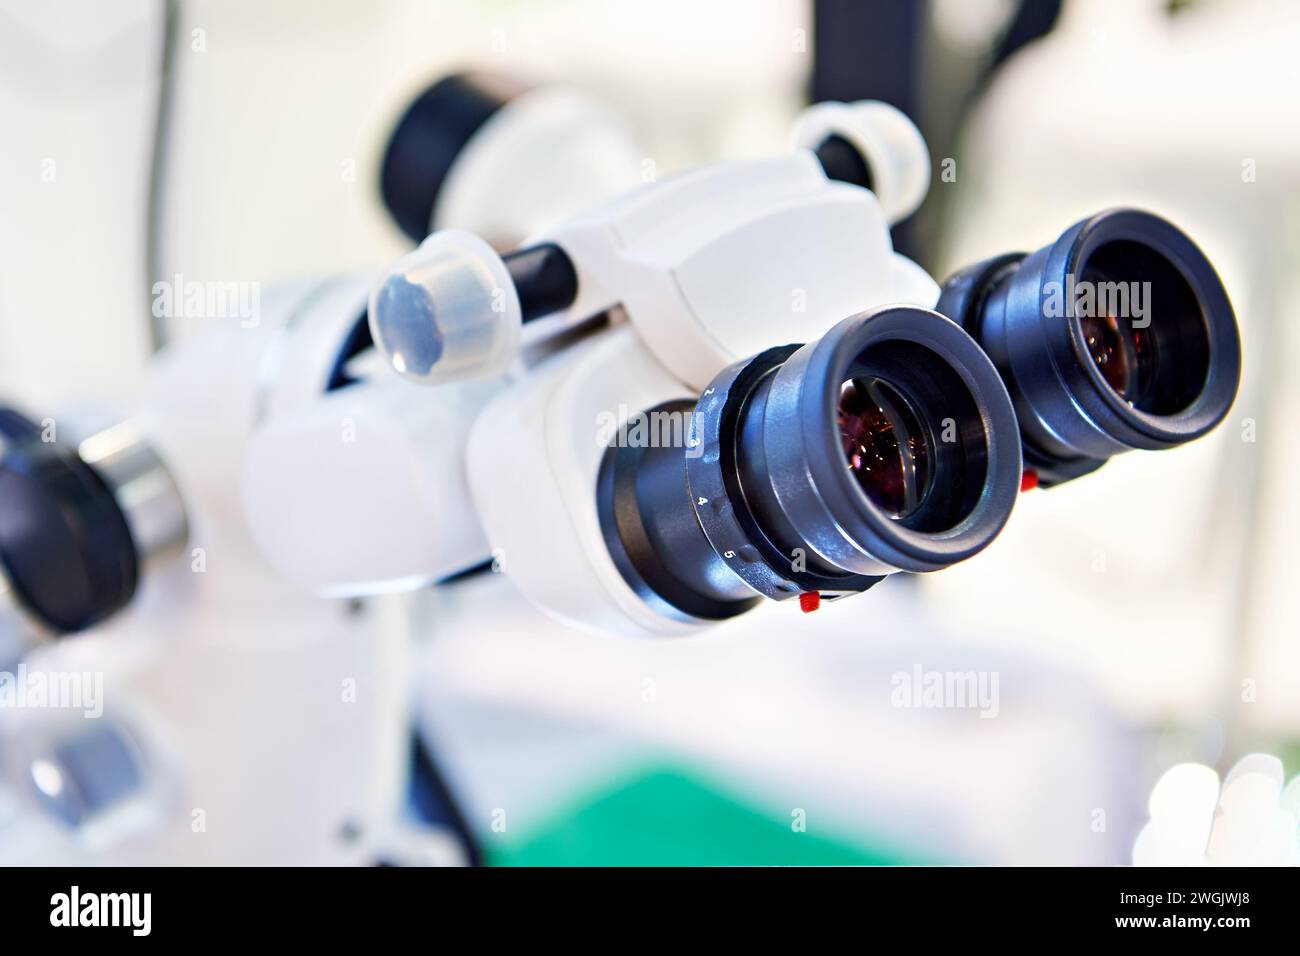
(153, 212)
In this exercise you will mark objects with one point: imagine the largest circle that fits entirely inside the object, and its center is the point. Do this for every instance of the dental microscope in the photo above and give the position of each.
(706, 391)
(132, 535)
(651, 458)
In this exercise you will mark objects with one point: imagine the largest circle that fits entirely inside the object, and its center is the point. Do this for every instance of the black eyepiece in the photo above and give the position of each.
(429, 138)
(65, 546)
(889, 444)
(1118, 335)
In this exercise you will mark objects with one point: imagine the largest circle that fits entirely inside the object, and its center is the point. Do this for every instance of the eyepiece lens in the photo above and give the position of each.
(1125, 356)
(885, 445)
(1143, 326)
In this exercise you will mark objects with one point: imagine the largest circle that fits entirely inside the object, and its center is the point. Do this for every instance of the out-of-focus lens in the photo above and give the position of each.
(885, 445)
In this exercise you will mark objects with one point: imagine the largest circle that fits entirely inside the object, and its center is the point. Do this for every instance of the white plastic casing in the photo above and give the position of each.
(207, 393)
(541, 156)
(711, 265)
(365, 491)
(721, 262)
(533, 457)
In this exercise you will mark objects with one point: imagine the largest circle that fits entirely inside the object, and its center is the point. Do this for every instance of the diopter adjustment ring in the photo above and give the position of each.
(719, 502)
(628, 539)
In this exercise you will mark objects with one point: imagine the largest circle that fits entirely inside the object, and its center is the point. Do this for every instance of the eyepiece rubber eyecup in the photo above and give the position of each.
(810, 490)
(1072, 419)
(1136, 427)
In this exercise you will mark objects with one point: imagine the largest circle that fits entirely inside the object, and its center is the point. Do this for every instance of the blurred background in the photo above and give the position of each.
(1141, 618)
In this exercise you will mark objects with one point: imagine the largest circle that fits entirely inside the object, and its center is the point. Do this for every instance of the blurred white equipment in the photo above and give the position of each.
(483, 152)
(1251, 820)
(321, 730)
